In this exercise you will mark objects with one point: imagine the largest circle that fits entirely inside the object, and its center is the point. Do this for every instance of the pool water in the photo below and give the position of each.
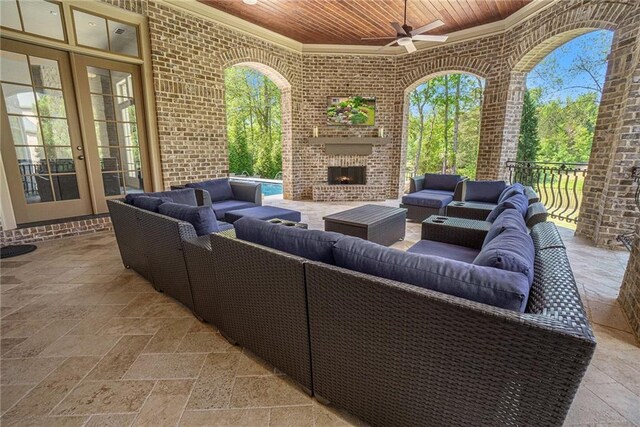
(271, 189)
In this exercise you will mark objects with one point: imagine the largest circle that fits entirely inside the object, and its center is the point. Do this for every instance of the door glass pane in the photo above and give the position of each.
(133, 182)
(60, 159)
(91, 30)
(112, 182)
(102, 107)
(109, 158)
(128, 134)
(31, 160)
(125, 109)
(42, 18)
(25, 130)
(123, 38)
(130, 158)
(37, 188)
(99, 80)
(14, 68)
(45, 72)
(51, 102)
(106, 133)
(55, 132)
(122, 83)
(9, 16)
(65, 187)
(19, 99)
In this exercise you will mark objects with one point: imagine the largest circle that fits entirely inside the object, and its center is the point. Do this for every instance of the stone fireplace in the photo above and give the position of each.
(350, 175)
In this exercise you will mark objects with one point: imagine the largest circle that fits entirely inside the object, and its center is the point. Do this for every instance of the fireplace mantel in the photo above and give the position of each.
(351, 145)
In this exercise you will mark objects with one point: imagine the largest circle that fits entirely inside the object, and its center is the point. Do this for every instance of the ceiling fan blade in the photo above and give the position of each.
(398, 28)
(410, 47)
(425, 28)
(378, 38)
(386, 45)
(428, 38)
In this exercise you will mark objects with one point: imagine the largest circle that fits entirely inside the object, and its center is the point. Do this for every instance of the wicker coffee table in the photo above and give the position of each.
(380, 224)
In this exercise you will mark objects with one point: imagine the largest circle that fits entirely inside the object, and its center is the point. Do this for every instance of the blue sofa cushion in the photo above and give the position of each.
(185, 196)
(518, 202)
(444, 250)
(221, 208)
(428, 199)
(499, 288)
(511, 190)
(436, 181)
(511, 250)
(201, 217)
(315, 245)
(484, 191)
(150, 203)
(223, 226)
(218, 189)
(264, 213)
(509, 219)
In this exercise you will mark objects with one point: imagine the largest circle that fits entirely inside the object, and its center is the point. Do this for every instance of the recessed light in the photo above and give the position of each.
(54, 12)
(250, 2)
(91, 24)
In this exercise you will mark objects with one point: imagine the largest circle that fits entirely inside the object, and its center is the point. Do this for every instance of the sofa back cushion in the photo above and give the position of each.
(185, 196)
(484, 191)
(512, 250)
(519, 202)
(218, 189)
(315, 245)
(499, 288)
(201, 217)
(509, 219)
(511, 190)
(436, 181)
(150, 203)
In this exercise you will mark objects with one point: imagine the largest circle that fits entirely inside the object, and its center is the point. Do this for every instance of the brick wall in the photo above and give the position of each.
(54, 231)
(629, 297)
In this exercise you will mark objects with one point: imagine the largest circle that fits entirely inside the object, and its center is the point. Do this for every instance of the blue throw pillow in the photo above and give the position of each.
(315, 245)
(510, 219)
(511, 190)
(436, 181)
(517, 201)
(218, 189)
(185, 196)
(150, 203)
(201, 217)
(499, 288)
(512, 250)
(484, 191)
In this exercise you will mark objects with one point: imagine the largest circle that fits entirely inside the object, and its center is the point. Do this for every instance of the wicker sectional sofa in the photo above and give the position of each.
(386, 351)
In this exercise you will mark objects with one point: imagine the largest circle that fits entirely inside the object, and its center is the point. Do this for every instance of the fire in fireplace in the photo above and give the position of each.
(351, 175)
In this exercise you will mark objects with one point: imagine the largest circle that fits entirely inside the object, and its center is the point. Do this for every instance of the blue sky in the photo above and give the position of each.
(558, 75)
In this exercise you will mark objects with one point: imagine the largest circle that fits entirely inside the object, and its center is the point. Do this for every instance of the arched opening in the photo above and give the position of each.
(258, 112)
(442, 124)
(561, 98)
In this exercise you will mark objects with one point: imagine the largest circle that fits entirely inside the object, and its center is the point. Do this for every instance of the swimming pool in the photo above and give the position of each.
(270, 187)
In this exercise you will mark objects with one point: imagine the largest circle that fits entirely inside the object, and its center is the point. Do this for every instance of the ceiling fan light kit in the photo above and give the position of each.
(250, 2)
(406, 35)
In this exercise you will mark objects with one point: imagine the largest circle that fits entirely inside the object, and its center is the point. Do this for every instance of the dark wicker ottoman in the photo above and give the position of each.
(457, 231)
(379, 224)
(263, 212)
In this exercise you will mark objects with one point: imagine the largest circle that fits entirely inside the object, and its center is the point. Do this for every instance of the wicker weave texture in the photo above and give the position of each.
(536, 213)
(126, 226)
(395, 354)
(257, 298)
(456, 231)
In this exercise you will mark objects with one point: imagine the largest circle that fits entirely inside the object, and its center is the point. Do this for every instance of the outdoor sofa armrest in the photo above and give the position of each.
(460, 190)
(456, 231)
(531, 194)
(536, 213)
(247, 191)
(416, 183)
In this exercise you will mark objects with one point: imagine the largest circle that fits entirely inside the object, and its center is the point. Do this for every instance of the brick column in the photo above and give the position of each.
(629, 297)
(607, 206)
(512, 118)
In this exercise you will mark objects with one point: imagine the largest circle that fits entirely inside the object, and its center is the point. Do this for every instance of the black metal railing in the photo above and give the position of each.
(559, 185)
(627, 238)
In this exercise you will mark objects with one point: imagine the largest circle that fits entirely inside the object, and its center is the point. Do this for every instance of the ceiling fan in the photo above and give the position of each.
(406, 35)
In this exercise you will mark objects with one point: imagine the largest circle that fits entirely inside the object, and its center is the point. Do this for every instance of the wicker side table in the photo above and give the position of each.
(470, 210)
(456, 231)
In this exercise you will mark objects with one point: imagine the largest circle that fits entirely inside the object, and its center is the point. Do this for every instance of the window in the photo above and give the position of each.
(40, 17)
(105, 34)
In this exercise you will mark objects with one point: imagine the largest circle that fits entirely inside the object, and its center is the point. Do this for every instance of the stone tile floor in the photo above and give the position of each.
(86, 342)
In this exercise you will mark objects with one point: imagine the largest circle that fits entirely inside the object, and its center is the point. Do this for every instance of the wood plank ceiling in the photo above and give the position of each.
(347, 21)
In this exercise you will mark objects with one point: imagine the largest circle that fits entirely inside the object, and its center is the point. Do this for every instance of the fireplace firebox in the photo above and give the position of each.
(351, 175)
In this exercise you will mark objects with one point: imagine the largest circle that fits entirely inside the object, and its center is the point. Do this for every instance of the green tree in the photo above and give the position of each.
(528, 140)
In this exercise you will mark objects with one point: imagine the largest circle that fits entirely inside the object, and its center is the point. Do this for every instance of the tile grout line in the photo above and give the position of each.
(193, 386)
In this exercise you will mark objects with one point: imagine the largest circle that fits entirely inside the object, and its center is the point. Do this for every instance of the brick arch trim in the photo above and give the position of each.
(274, 68)
(443, 66)
(530, 46)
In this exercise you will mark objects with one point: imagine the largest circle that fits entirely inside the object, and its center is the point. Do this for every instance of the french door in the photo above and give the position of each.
(73, 132)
